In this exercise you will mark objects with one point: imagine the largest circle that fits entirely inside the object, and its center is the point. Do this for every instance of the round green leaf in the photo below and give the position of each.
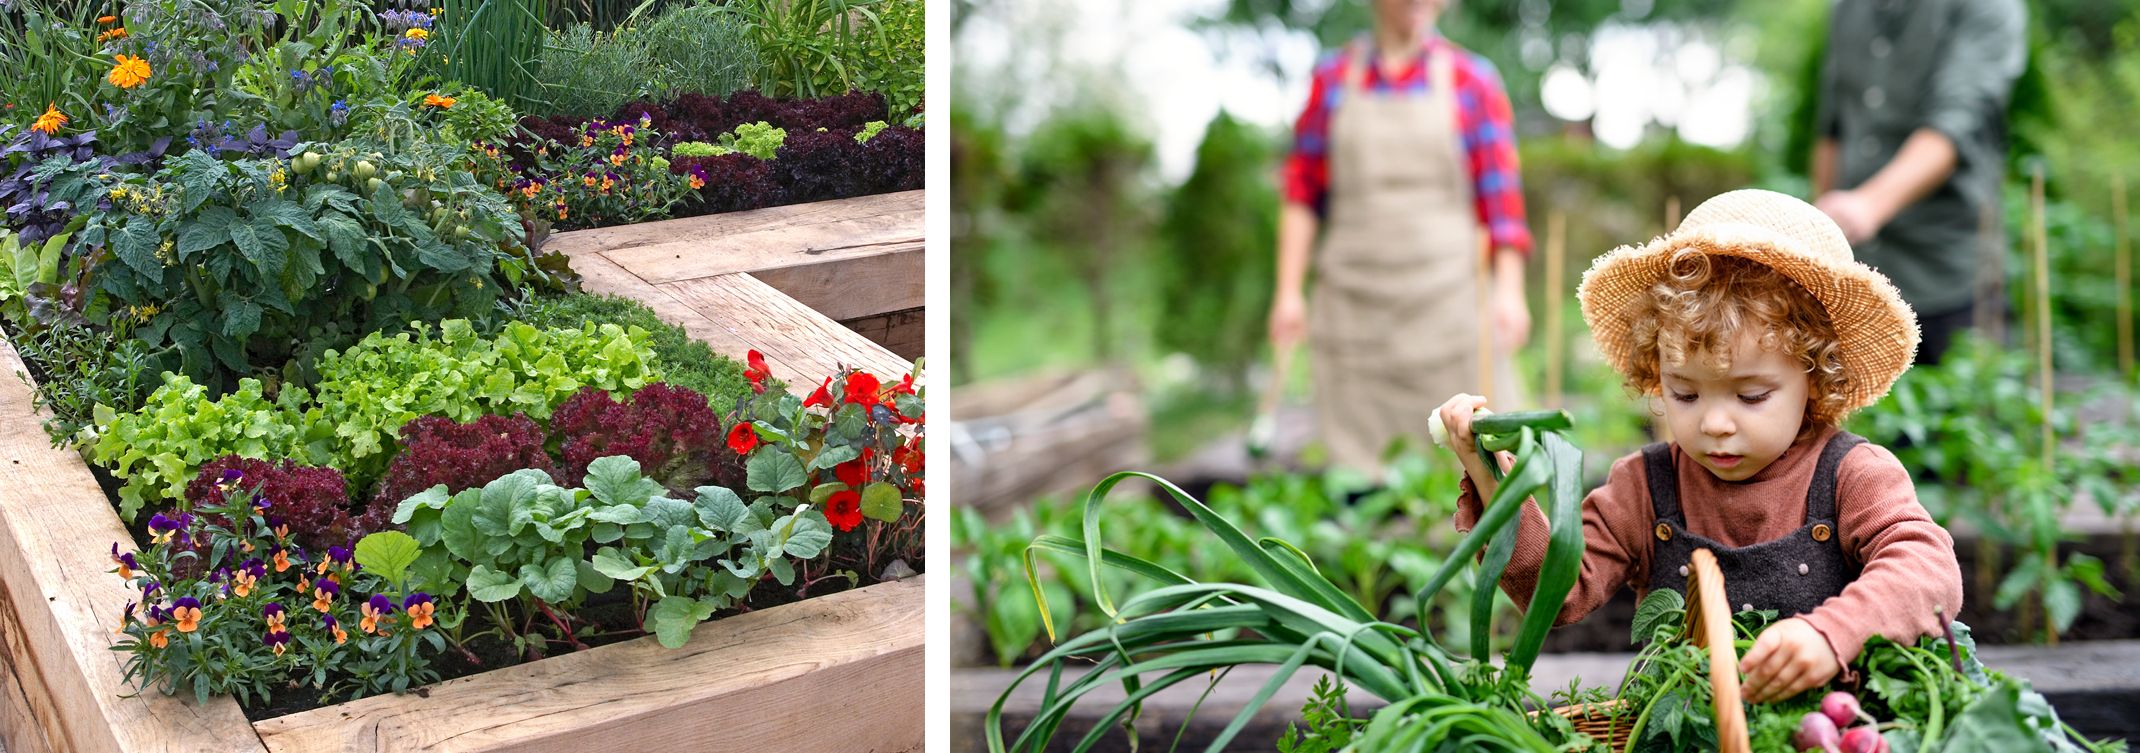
(882, 501)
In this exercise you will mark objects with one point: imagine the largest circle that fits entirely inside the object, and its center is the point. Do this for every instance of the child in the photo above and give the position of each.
(1760, 333)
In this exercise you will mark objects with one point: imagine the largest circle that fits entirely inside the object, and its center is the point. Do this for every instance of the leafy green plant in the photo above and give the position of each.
(1184, 628)
(1330, 726)
(860, 458)
(256, 266)
(368, 392)
(870, 131)
(690, 48)
(681, 360)
(522, 535)
(895, 68)
(811, 48)
(694, 149)
(494, 45)
(1215, 265)
(157, 449)
(758, 139)
(85, 369)
(614, 175)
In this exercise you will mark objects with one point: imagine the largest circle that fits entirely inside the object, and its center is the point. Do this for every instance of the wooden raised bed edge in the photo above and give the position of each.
(834, 673)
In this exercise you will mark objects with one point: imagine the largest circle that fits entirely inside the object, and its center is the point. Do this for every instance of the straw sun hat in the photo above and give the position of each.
(1878, 332)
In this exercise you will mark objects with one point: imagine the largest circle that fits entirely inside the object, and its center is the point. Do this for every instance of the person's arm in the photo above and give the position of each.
(1822, 171)
(1512, 313)
(1297, 226)
(1925, 162)
(1497, 196)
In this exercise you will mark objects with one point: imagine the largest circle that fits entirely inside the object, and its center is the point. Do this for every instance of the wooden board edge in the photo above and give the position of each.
(59, 596)
(618, 700)
(637, 235)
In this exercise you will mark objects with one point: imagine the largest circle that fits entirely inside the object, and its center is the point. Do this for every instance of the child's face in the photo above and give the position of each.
(1735, 421)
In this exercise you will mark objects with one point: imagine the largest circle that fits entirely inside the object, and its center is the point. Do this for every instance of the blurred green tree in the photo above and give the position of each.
(1079, 188)
(979, 177)
(1216, 251)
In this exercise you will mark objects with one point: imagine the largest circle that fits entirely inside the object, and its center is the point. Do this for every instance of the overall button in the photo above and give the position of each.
(1802, 569)
(1875, 97)
(1682, 571)
(1881, 47)
(1746, 607)
(1664, 532)
(1821, 532)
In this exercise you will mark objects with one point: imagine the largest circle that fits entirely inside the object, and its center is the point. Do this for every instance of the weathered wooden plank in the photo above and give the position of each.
(904, 332)
(854, 287)
(63, 607)
(19, 731)
(749, 241)
(811, 345)
(833, 673)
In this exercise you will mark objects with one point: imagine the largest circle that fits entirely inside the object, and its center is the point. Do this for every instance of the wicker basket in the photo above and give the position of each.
(1709, 623)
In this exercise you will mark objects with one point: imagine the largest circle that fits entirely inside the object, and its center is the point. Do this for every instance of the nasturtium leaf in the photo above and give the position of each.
(616, 481)
(489, 585)
(719, 508)
(610, 562)
(834, 455)
(852, 420)
(591, 579)
(773, 471)
(882, 501)
(387, 554)
(551, 581)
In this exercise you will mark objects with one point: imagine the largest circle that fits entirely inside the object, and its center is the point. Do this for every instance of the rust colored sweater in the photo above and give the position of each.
(1909, 564)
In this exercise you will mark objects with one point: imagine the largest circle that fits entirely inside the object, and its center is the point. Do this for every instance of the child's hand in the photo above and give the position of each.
(1456, 420)
(1789, 658)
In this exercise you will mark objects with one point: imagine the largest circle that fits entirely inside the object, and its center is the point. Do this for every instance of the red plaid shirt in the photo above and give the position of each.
(1484, 120)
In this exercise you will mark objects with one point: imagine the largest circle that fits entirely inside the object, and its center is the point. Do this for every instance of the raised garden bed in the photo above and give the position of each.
(63, 689)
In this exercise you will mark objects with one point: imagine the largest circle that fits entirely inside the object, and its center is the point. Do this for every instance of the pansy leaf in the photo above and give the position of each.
(773, 471)
(882, 501)
(834, 455)
(551, 581)
(616, 481)
(387, 554)
(719, 508)
(489, 585)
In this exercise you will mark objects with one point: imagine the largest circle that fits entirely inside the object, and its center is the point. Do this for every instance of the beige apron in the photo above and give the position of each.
(1394, 318)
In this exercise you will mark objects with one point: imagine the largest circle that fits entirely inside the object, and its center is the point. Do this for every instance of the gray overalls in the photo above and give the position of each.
(1791, 575)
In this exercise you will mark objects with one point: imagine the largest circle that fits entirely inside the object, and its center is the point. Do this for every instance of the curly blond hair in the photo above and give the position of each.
(1703, 304)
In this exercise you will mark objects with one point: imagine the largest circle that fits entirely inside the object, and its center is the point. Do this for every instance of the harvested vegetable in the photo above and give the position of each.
(1816, 732)
(1843, 709)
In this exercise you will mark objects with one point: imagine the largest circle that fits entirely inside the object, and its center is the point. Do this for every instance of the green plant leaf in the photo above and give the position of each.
(2061, 602)
(435, 498)
(810, 537)
(719, 508)
(457, 529)
(1656, 610)
(674, 617)
(822, 492)
(594, 581)
(834, 455)
(773, 471)
(610, 562)
(882, 501)
(388, 553)
(489, 585)
(616, 480)
(552, 581)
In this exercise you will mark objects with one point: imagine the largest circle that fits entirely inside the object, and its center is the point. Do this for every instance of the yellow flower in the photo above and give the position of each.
(50, 121)
(129, 73)
(417, 34)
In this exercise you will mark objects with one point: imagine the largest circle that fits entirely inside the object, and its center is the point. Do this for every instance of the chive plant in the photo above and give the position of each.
(1184, 629)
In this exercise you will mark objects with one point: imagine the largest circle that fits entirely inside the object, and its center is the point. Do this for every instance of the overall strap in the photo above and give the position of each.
(1820, 497)
(1356, 63)
(1662, 474)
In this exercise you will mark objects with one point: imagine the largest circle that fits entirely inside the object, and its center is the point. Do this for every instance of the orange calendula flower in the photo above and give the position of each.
(118, 33)
(50, 121)
(129, 73)
(107, 19)
(437, 101)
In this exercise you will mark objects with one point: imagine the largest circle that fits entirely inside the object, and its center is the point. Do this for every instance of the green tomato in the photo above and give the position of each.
(364, 170)
(373, 185)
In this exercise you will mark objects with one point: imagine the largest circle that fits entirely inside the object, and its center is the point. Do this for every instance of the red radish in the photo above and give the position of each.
(1864, 740)
(1815, 731)
(1842, 708)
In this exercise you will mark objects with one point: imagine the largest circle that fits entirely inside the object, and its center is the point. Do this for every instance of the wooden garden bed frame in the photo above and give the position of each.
(835, 673)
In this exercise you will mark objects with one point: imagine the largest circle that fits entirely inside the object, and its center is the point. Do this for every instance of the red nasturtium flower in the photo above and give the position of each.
(844, 509)
(862, 389)
(757, 373)
(743, 438)
(904, 387)
(853, 473)
(822, 396)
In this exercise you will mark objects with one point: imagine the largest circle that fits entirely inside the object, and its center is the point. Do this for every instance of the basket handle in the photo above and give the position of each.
(1709, 624)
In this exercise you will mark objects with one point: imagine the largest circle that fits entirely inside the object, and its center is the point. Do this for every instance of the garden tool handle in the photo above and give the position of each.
(1263, 430)
(1709, 625)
